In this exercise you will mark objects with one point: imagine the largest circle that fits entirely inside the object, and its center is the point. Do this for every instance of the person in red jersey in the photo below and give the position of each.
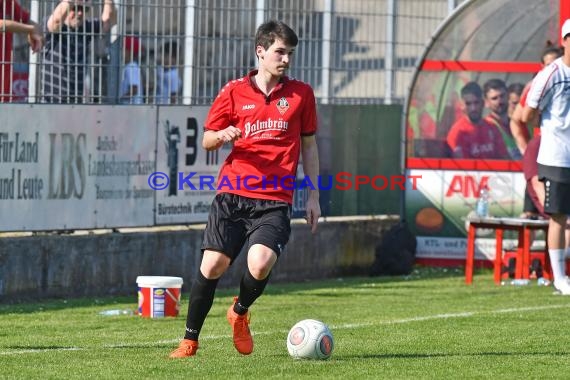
(534, 187)
(35, 35)
(271, 120)
(497, 101)
(15, 19)
(523, 132)
(471, 136)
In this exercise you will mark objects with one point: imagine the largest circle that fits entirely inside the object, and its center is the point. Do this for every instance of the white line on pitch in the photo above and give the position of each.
(39, 350)
(333, 327)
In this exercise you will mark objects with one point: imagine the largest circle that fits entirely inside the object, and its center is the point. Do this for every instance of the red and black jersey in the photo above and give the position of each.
(9, 10)
(476, 141)
(263, 161)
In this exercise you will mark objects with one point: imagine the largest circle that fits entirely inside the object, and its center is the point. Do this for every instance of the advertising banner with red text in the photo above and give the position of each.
(437, 211)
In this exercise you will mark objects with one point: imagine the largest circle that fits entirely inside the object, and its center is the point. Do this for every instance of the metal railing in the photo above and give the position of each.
(350, 51)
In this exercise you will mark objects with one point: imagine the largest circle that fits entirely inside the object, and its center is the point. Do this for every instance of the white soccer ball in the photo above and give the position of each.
(310, 339)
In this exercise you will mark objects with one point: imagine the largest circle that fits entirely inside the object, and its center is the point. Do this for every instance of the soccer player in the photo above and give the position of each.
(70, 34)
(270, 119)
(549, 94)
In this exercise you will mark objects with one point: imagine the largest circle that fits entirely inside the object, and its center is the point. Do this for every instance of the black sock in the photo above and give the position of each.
(249, 290)
(201, 299)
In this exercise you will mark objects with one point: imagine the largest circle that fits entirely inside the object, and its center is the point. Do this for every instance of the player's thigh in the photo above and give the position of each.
(271, 229)
(223, 232)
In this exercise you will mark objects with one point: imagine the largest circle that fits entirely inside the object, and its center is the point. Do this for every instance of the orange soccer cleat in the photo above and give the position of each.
(185, 349)
(243, 341)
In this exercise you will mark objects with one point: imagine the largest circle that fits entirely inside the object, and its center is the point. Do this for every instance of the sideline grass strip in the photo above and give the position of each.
(422, 327)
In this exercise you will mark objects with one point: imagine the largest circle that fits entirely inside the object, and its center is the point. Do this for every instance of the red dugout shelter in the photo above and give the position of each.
(481, 40)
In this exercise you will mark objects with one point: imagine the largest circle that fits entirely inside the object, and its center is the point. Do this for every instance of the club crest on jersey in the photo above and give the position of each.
(282, 105)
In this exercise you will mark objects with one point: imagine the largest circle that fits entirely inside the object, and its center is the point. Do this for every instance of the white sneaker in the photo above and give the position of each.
(562, 286)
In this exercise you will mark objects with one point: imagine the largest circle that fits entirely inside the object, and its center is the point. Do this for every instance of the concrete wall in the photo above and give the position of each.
(108, 262)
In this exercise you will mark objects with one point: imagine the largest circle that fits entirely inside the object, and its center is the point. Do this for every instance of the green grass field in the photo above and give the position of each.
(427, 326)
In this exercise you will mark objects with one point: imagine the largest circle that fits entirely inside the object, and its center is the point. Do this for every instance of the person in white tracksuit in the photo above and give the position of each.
(549, 96)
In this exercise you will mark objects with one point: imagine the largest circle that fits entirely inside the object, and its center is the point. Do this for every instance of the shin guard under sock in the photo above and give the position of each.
(201, 300)
(250, 289)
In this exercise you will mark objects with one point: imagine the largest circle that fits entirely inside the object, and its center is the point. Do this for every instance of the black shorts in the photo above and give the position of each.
(557, 197)
(235, 220)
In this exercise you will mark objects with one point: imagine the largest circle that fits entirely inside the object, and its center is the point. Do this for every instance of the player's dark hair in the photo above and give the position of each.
(472, 88)
(494, 84)
(272, 30)
(516, 88)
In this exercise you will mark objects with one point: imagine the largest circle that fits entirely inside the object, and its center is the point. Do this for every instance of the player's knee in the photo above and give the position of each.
(260, 261)
(213, 266)
(213, 271)
(261, 266)
(559, 219)
(261, 272)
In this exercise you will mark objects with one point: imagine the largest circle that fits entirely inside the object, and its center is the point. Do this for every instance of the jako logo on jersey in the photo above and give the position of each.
(248, 107)
(282, 105)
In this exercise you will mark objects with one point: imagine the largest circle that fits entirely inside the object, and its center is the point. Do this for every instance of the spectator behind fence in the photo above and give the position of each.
(168, 80)
(11, 11)
(131, 82)
(496, 100)
(471, 136)
(68, 39)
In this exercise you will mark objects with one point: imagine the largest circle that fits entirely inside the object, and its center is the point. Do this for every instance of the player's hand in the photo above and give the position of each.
(36, 39)
(313, 211)
(229, 134)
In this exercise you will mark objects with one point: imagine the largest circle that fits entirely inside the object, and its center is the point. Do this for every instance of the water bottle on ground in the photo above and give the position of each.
(520, 282)
(482, 207)
(109, 313)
